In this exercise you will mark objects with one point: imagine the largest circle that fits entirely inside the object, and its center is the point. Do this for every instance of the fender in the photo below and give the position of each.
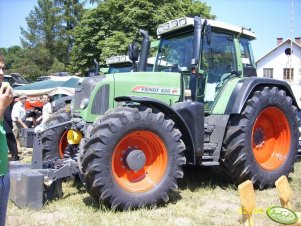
(61, 103)
(171, 113)
(246, 86)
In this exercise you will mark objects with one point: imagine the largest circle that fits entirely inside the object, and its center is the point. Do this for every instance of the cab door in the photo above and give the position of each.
(217, 63)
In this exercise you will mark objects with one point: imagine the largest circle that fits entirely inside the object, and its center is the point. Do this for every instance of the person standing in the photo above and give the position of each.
(10, 137)
(19, 115)
(6, 98)
(47, 110)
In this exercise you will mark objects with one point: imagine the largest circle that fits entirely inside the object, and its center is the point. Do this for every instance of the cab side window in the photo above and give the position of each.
(247, 58)
(219, 56)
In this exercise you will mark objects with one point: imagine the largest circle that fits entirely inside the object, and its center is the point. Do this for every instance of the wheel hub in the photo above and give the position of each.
(258, 137)
(135, 159)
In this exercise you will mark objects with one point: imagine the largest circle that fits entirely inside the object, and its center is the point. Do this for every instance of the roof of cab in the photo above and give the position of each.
(183, 22)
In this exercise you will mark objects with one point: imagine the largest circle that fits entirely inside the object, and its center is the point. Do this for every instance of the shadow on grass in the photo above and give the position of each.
(74, 182)
(174, 197)
(196, 177)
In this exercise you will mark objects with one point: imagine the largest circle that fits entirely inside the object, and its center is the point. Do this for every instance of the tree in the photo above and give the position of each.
(71, 11)
(32, 62)
(108, 29)
(43, 26)
(11, 55)
(28, 62)
(57, 66)
(50, 26)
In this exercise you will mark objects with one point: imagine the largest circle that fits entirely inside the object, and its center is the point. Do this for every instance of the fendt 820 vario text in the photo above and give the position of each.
(202, 104)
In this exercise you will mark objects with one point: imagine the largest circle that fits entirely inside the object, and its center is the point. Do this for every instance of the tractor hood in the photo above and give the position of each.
(164, 86)
(96, 94)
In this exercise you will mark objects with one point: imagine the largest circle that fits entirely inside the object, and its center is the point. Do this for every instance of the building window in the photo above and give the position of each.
(268, 72)
(288, 74)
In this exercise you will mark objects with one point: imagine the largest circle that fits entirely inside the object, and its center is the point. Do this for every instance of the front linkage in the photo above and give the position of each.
(33, 184)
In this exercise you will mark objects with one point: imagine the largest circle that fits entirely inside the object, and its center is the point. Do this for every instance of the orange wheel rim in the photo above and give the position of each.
(271, 138)
(152, 171)
(63, 144)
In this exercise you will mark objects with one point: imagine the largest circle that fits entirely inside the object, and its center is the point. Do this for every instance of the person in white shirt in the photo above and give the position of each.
(18, 115)
(47, 110)
(46, 113)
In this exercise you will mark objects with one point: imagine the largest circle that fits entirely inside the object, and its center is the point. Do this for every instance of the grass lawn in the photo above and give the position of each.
(204, 197)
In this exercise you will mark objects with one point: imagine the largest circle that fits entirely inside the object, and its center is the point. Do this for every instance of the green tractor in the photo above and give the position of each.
(201, 105)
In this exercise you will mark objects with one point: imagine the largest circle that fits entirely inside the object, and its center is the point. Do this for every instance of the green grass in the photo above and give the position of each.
(204, 198)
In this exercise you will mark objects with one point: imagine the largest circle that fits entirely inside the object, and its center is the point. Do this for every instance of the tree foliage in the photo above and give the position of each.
(62, 35)
(30, 62)
(108, 29)
(50, 32)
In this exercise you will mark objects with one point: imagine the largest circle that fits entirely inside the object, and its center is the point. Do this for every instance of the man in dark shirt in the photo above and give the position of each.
(10, 137)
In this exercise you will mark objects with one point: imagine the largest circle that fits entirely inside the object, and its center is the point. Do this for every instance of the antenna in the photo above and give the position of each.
(292, 31)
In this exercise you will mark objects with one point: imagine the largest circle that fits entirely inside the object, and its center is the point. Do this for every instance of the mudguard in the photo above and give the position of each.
(245, 88)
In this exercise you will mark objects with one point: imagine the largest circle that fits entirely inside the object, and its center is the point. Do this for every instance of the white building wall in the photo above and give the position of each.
(278, 60)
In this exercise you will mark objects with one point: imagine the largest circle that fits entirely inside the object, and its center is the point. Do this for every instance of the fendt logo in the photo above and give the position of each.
(156, 90)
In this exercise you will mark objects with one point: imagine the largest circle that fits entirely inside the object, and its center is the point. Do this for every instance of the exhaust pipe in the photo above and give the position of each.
(97, 67)
(144, 51)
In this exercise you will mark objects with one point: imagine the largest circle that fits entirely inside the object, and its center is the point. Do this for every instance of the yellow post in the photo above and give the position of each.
(285, 193)
(247, 201)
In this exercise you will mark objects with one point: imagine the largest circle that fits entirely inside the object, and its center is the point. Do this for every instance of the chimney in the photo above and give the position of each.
(279, 41)
(298, 40)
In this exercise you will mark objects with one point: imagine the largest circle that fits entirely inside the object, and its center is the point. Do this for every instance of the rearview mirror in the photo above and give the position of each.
(133, 51)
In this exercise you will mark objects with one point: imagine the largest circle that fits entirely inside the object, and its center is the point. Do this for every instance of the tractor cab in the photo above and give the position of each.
(122, 64)
(119, 64)
(207, 53)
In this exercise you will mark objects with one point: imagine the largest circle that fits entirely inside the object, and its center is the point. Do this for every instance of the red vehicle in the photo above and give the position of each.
(33, 101)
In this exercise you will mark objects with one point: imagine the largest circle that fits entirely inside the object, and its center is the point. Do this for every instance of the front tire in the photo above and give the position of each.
(132, 158)
(54, 140)
(261, 143)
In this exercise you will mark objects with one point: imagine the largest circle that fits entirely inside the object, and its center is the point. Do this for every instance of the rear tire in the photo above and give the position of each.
(261, 143)
(54, 141)
(108, 175)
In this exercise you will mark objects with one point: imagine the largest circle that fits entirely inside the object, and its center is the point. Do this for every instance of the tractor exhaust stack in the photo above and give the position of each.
(144, 51)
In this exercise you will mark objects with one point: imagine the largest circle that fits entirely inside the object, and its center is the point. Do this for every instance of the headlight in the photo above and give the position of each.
(174, 25)
(84, 103)
(68, 107)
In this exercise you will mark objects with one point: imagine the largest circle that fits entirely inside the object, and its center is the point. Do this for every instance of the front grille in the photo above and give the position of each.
(101, 101)
(85, 89)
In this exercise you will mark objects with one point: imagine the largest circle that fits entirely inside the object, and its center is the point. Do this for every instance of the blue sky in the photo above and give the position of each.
(269, 19)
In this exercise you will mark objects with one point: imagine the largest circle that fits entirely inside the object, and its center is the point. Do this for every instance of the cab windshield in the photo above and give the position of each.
(119, 69)
(174, 53)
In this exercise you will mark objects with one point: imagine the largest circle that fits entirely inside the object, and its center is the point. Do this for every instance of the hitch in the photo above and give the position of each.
(32, 185)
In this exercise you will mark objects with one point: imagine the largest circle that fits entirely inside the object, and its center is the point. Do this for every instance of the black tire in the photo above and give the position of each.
(248, 133)
(51, 138)
(99, 150)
